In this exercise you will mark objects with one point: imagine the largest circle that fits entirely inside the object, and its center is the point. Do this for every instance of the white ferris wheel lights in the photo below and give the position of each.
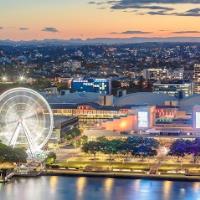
(26, 119)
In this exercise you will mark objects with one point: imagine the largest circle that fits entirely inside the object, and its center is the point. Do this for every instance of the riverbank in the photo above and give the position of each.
(59, 172)
(119, 175)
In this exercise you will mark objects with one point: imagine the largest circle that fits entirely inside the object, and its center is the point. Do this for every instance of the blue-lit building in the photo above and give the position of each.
(101, 86)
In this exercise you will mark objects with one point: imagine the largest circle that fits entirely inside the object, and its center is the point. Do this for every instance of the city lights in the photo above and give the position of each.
(21, 78)
(100, 100)
(123, 124)
(4, 78)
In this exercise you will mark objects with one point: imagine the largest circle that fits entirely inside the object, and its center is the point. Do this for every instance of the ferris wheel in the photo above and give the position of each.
(26, 119)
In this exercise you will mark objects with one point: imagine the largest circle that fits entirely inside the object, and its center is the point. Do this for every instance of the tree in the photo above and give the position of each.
(9, 154)
(102, 139)
(178, 148)
(51, 158)
(136, 145)
(182, 147)
(125, 149)
(134, 140)
(193, 147)
(142, 147)
(84, 139)
(112, 147)
(20, 155)
(73, 133)
(144, 151)
(138, 140)
(91, 147)
(41, 84)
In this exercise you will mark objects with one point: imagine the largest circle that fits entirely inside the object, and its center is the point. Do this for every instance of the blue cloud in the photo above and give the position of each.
(151, 7)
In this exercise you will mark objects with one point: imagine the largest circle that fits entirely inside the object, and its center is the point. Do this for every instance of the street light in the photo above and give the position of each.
(4, 78)
(21, 78)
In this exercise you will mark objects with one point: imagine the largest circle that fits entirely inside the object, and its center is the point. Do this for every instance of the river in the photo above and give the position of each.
(82, 188)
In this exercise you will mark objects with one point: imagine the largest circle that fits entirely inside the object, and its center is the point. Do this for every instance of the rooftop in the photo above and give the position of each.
(144, 98)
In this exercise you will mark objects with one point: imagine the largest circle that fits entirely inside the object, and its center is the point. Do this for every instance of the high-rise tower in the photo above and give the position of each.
(196, 79)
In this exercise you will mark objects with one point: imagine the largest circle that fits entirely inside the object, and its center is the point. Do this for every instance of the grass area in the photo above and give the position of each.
(178, 166)
(143, 166)
(103, 165)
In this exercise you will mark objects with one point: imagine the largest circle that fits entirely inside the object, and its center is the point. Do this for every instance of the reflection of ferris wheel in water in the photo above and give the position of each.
(26, 119)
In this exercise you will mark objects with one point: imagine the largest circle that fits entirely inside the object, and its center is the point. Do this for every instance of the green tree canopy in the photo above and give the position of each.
(9, 154)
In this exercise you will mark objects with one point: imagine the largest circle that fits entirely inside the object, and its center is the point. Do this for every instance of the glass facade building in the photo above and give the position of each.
(197, 79)
(101, 86)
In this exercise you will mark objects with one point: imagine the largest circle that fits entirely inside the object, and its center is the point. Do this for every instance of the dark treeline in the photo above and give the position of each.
(142, 147)
(136, 146)
(12, 155)
(181, 147)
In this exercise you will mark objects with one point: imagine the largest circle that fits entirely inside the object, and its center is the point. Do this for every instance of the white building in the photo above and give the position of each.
(196, 79)
(177, 74)
(155, 74)
(174, 89)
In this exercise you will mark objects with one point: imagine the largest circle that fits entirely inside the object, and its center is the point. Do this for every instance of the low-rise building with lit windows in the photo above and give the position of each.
(177, 89)
(90, 113)
(156, 115)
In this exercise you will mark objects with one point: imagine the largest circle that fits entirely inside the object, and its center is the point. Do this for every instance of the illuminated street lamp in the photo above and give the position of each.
(21, 78)
(4, 78)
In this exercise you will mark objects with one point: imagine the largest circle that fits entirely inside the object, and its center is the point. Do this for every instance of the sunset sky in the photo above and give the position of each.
(65, 19)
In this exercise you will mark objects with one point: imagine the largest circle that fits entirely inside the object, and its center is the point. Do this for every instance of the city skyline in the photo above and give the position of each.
(99, 99)
(27, 20)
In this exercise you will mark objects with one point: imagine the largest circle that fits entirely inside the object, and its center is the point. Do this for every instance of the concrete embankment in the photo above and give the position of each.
(175, 177)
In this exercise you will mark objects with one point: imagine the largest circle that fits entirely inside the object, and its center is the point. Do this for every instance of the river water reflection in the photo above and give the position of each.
(82, 188)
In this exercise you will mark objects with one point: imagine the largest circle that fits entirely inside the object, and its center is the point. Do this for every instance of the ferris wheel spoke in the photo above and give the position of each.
(28, 136)
(25, 119)
(29, 108)
(29, 117)
(11, 116)
(15, 135)
(27, 113)
(11, 122)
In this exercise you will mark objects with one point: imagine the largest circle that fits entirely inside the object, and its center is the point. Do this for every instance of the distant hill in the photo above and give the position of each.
(97, 41)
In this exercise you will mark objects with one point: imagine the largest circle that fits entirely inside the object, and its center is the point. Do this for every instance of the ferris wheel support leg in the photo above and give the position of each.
(28, 137)
(15, 135)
